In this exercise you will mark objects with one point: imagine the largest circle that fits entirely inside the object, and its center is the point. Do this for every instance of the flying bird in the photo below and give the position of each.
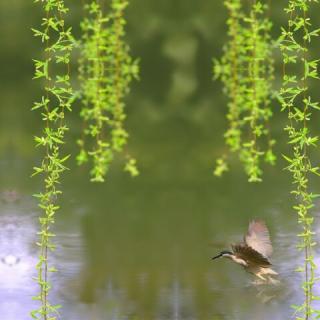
(253, 254)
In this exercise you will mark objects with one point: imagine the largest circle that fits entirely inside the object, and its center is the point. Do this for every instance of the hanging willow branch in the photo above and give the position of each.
(296, 100)
(106, 71)
(53, 69)
(245, 70)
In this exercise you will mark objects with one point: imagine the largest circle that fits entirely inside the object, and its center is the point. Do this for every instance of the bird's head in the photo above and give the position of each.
(224, 253)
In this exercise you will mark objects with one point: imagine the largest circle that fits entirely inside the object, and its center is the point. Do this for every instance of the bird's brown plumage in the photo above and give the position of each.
(258, 238)
(250, 256)
(254, 252)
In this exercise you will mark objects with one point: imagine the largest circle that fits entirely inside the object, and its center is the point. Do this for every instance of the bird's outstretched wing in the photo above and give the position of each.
(251, 256)
(258, 238)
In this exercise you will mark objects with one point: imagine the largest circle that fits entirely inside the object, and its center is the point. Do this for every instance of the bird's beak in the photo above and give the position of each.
(217, 256)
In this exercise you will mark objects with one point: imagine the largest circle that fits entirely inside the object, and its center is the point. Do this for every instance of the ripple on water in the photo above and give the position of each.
(18, 258)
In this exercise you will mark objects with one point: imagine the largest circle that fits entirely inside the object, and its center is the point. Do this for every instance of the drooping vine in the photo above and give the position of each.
(53, 70)
(230, 70)
(296, 100)
(246, 71)
(106, 71)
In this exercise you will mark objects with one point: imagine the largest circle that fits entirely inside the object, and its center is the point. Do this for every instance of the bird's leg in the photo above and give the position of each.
(260, 276)
(259, 281)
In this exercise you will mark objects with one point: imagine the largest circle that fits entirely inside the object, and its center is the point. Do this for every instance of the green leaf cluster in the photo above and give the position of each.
(106, 72)
(246, 71)
(53, 71)
(299, 70)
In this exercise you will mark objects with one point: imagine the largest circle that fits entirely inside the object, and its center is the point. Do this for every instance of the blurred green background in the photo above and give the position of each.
(140, 248)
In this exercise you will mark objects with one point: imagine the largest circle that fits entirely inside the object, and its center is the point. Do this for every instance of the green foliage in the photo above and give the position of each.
(53, 70)
(296, 100)
(106, 71)
(246, 73)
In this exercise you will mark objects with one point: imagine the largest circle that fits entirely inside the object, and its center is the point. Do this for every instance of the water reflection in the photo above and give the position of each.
(19, 255)
(18, 258)
(102, 288)
(176, 302)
